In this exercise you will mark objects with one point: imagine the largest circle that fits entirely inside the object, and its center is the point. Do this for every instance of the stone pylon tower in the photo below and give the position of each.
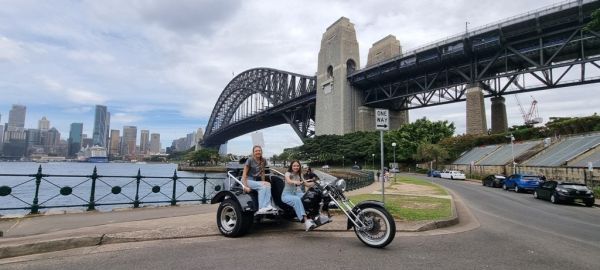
(476, 120)
(382, 50)
(337, 101)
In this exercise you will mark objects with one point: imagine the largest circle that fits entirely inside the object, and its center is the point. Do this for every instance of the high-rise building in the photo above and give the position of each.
(33, 137)
(44, 124)
(1, 133)
(16, 118)
(53, 137)
(75, 139)
(14, 135)
(115, 143)
(190, 140)
(258, 139)
(1, 137)
(155, 143)
(101, 126)
(128, 145)
(144, 141)
(199, 136)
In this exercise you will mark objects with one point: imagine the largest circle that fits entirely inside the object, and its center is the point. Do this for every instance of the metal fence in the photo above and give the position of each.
(357, 179)
(39, 191)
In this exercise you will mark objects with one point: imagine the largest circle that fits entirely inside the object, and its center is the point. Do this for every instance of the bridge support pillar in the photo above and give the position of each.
(499, 120)
(398, 119)
(337, 106)
(476, 120)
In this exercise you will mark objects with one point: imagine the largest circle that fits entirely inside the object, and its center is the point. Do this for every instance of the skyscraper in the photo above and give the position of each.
(199, 136)
(258, 139)
(129, 141)
(115, 143)
(16, 118)
(101, 126)
(44, 124)
(75, 139)
(14, 135)
(155, 143)
(144, 141)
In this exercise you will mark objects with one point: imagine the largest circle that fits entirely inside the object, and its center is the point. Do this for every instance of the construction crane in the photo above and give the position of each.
(531, 117)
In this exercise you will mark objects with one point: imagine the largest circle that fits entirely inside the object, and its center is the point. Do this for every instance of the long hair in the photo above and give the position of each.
(261, 163)
(292, 164)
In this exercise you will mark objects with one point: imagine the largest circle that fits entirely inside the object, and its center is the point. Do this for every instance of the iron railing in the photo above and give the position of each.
(95, 190)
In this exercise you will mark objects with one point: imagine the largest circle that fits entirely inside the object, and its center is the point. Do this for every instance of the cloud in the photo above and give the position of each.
(75, 95)
(11, 50)
(124, 118)
(188, 16)
(98, 57)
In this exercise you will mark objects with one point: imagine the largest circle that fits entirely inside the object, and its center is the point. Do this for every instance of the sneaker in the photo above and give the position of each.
(263, 210)
(322, 219)
(309, 224)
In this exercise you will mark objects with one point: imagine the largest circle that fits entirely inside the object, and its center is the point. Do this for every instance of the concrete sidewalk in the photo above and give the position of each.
(38, 234)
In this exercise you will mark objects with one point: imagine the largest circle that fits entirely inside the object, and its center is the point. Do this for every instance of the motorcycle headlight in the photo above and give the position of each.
(340, 184)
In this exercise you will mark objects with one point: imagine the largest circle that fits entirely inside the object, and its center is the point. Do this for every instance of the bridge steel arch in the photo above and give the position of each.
(259, 98)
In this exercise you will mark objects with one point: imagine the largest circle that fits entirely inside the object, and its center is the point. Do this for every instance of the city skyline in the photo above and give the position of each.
(45, 122)
(161, 66)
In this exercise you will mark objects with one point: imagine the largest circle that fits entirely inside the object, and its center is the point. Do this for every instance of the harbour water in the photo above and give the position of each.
(115, 188)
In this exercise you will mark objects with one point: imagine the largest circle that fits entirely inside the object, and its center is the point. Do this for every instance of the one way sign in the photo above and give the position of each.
(382, 119)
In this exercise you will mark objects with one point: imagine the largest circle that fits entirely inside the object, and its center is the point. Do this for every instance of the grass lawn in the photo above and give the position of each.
(416, 181)
(411, 208)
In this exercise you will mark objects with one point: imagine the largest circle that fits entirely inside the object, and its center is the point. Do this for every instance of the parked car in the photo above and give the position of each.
(394, 170)
(522, 182)
(433, 173)
(453, 175)
(558, 192)
(493, 180)
(356, 167)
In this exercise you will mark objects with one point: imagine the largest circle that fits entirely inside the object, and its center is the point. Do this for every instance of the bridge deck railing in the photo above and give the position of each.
(32, 192)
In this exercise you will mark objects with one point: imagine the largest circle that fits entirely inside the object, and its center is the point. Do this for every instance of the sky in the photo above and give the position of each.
(161, 65)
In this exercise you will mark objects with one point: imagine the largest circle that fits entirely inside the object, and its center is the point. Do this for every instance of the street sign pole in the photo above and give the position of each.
(382, 182)
(382, 122)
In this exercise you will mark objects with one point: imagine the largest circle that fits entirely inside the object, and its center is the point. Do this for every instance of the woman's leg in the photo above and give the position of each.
(295, 202)
(264, 192)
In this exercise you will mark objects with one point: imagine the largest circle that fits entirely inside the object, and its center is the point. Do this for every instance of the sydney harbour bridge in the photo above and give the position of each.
(542, 49)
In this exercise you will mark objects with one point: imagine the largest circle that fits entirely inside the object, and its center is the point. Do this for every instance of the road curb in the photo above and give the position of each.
(437, 224)
(49, 246)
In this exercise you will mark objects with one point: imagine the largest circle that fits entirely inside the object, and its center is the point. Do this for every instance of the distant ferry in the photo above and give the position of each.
(94, 154)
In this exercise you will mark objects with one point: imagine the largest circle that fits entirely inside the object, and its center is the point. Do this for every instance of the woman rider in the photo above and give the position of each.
(292, 196)
(254, 178)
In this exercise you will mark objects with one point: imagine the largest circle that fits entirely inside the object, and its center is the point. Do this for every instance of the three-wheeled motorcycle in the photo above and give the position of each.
(372, 223)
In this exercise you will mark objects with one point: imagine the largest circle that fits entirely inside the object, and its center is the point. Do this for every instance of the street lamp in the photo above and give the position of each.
(394, 145)
(373, 164)
(343, 162)
(512, 150)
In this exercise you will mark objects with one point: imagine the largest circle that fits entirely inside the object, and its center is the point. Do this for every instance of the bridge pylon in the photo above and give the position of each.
(337, 101)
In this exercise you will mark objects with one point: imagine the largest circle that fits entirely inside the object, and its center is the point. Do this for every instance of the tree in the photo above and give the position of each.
(202, 156)
(594, 24)
(431, 152)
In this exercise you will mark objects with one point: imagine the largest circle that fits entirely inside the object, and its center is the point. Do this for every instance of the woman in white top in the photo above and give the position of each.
(292, 195)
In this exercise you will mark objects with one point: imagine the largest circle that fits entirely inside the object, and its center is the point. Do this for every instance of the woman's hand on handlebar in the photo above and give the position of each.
(247, 189)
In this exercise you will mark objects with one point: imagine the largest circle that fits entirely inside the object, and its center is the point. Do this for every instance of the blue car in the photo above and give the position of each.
(434, 173)
(522, 182)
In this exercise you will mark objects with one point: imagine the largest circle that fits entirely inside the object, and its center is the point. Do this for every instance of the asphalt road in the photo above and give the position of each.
(515, 232)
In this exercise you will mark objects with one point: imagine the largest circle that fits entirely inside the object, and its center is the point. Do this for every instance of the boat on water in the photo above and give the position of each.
(94, 154)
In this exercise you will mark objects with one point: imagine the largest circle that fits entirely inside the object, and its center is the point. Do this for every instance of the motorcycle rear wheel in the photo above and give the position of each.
(381, 227)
